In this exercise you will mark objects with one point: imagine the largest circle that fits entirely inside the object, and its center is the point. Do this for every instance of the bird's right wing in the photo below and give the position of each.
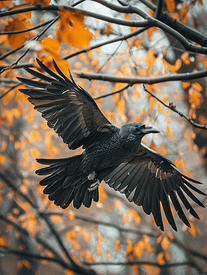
(149, 179)
(68, 108)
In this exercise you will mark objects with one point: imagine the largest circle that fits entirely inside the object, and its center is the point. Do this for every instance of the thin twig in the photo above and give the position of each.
(28, 254)
(172, 107)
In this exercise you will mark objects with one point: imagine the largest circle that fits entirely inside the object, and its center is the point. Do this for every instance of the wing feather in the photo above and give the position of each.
(66, 106)
(150, 180)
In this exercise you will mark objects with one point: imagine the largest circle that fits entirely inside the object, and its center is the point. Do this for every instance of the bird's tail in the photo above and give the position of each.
(66, 183)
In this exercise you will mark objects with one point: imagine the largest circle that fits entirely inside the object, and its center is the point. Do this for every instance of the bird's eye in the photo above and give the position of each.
(142, 127)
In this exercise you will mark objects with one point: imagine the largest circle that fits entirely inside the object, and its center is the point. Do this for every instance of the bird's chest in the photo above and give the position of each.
(107, 154)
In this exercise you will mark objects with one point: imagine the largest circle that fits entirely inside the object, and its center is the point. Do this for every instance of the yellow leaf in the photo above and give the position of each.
(72, 30)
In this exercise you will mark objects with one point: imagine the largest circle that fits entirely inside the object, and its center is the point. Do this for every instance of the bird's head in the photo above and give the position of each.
(134, 132)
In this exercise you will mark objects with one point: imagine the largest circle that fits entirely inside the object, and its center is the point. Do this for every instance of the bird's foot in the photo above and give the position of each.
(94, 185)
(92, 176)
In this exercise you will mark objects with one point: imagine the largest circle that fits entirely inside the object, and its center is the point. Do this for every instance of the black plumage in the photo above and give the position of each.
(113, 154)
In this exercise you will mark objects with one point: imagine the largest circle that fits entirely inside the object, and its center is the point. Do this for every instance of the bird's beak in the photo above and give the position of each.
(149, 130)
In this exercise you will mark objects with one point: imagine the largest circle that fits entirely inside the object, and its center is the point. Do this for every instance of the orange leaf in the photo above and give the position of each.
(108, 256)
(165, 243)
(72, 30)
(124, 218)
(117, 245)
(88, 256)
(118, 204)
(108, 29)
(71, 215)
(175, 67)
(34, 152)
(98, 249)
(192, 230)
(50, 45)
(160, 258)
(16, 40)
(129, 246)
(185, 58)
(170, 5)
(185, 84)
(170, 133)
(34, 2)
(139, 249)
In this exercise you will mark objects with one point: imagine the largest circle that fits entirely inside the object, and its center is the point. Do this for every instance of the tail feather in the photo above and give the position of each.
(66, 183)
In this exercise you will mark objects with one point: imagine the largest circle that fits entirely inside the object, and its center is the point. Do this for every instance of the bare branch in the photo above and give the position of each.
(18, 227)
(183, 29)
(172, 107)
(146, 80)
(164, 266)
(121, 38)
(28, 254)
(113, 93)
(90, 220)
(158, 10)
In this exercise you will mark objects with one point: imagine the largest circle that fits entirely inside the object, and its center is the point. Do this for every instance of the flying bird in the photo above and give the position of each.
(111, 153)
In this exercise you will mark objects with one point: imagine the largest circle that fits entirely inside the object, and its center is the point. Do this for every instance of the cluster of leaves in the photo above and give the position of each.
(119, 46)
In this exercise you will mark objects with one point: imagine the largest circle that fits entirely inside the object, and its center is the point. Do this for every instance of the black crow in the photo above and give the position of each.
(113, 154)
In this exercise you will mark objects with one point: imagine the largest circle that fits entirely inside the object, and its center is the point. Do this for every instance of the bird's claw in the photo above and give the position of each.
(94, 185)
(92, 176)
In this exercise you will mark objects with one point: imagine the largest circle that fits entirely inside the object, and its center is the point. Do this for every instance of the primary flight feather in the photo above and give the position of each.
(113, 154)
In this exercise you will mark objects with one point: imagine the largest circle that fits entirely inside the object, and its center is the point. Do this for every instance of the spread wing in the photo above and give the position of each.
(68, 108)
(149, 179)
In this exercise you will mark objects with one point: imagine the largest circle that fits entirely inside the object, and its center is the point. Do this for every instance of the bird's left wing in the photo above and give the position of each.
(68, 108)
(148, 179)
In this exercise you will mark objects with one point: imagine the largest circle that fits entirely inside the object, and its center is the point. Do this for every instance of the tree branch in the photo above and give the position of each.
(172, 107)
(183, 29)
(164, 266)
(139, 80)
(121, 38)
(28, 254)
(90, 220)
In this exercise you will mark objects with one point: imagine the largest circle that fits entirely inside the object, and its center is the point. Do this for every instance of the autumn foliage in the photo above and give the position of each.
(112, 49)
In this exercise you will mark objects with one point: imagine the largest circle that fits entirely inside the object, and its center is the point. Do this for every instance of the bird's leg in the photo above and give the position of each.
(92, 176)
(96, 182)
